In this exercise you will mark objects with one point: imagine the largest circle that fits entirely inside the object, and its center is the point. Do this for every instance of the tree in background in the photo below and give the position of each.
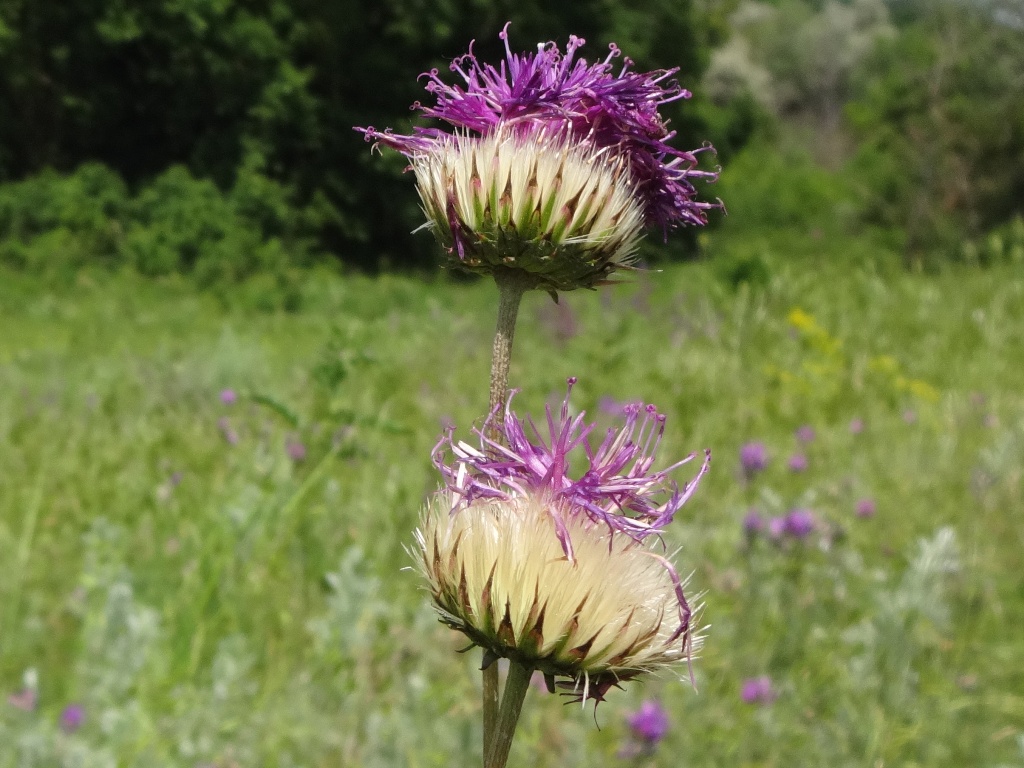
(939, 116)
(798, 62)
(272, 88)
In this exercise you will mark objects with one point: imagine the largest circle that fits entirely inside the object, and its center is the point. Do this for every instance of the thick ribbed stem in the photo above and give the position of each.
(490, 702)
(511, 286)
(516, 686)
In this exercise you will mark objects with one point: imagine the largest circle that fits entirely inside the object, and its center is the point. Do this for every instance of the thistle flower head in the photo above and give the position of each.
(557, 101)
(758, 690)
(562, 212)
(560, 574)
(866, 508)
(618, 488)
(650, 723)
(753, 458)
(800, 523)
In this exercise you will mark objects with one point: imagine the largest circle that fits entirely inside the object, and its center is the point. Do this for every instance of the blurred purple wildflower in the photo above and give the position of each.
(753, 523)
(228, 396)
(72, 717)
(865, 508)
(909, 416)
(805, 434)
(856, 426)
(753, 458)
(797, 462)
(758, 690)
(776, 528)
(537, 681)
(611, 406)
(25, 699)
(617, 489)
(649, 723)
(648, 727)
(227, 430)
(295, 449)
(799, 523)
(560, 320)
(548, 92)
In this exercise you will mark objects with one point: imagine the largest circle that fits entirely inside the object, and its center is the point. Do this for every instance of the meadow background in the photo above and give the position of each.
(224, 361)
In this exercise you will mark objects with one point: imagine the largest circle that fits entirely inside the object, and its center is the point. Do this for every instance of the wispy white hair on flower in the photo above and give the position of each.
(610, 119)
(559, 573)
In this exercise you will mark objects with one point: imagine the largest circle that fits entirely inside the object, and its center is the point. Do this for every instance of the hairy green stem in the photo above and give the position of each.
(490, 702)
(511, 286)
(516, 686)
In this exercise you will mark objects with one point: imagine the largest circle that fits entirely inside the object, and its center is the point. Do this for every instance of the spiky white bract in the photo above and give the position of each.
(498, 573)
(566, 213)
(556, 99)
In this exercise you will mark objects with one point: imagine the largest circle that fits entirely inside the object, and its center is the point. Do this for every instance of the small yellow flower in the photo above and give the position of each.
(802, 320)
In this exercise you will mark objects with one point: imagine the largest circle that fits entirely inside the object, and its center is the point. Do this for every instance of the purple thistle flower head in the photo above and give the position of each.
(753, 523)
(650, 723)
(560, 103)
(610, 406)
(295, 449)
(805, 434)
(865, 508)
(548, 91)
(72, 717)
(776, 528)
(618, 488)
(228, 396)
(753, 458)
(797, 462)
(799, 523)
(758, 690)
(26, 699)
(227, 431)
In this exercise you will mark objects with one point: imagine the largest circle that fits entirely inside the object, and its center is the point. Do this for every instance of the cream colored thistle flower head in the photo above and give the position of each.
(554, 167)
(562, 575)
(562, 212)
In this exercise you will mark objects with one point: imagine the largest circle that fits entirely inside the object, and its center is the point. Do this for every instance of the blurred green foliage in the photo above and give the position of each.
(214, 137)
(212, 599)
(271, 89)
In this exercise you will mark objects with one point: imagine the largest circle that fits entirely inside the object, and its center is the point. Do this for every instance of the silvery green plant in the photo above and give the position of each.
(544, 174)
(888, 637)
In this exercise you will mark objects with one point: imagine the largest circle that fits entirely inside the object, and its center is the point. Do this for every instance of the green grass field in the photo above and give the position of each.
(225, 584)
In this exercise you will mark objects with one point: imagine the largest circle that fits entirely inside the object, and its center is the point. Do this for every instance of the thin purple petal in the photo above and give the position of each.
(617, 488)
(555, 92)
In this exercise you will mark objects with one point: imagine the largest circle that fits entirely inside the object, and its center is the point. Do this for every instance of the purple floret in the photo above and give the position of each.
(865, 508)
(617, 489)
(753, 523)
(797, 462)
(551, 92)
(753, 458)
(800, 523)
(650, 723)
(72, 717)
(758, 690)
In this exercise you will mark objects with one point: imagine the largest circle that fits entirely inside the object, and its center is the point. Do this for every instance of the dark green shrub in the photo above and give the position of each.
(176, 219)
(766, 189)
(51, 223)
